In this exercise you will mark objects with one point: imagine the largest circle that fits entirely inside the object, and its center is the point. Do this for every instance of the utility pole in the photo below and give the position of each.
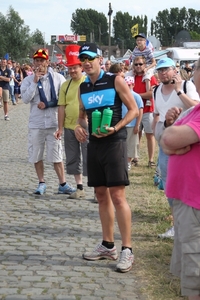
(110, 11)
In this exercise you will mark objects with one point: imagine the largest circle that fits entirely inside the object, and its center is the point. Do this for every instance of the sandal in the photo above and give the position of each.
(134, 162)
(151, 164)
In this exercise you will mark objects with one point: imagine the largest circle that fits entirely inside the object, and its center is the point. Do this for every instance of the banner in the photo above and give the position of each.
(68, 38)
(59, 58)
(134, 30)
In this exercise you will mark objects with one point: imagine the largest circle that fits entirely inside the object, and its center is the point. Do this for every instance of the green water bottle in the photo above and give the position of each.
(96, 121)
(106, 119)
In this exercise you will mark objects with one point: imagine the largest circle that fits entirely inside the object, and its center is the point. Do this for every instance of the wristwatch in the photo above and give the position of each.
(180, 92)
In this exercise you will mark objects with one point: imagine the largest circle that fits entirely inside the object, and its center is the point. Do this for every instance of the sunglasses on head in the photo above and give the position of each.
(88, 58)
(139, 64)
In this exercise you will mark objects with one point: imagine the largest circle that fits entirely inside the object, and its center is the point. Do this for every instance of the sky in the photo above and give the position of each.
(54, 17)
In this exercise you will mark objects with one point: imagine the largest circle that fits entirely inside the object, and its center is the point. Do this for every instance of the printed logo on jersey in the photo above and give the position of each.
(97, 99)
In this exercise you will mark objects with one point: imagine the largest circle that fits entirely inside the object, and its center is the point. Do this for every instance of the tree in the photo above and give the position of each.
(37, 37)
(122, 23)
(15, 35)
(195, 36)
(169, 22)
(90, 23)
(3, 49)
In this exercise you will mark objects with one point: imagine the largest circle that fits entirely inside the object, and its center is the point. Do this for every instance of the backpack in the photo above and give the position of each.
(184, 89)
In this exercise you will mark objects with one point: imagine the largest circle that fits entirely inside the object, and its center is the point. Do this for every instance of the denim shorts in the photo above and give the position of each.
(163, 162)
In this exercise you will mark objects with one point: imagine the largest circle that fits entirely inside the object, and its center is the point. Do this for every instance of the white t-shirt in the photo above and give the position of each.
(162, 105)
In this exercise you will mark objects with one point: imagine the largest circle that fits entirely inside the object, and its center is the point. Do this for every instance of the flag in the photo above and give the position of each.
(134, 30)
(149, 45)
(6, 56)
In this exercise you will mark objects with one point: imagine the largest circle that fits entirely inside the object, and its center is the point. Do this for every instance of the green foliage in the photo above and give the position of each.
(194, 35)
(169, 22)
(37, 37)
(2, 40)
(18, 40)
(90, 23)
(165, 27)
(15, 37)
(122, 23)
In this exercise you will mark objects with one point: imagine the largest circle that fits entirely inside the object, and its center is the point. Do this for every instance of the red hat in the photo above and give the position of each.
(72, 53)
(41, 53)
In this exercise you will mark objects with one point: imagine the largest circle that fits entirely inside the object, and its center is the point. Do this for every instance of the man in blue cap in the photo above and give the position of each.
(172, 92)
(107, 153)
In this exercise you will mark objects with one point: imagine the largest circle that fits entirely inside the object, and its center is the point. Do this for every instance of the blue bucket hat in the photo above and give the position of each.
(164, 63)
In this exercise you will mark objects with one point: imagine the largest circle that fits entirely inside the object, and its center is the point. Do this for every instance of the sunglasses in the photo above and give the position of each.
(88, 58)
(139, 64)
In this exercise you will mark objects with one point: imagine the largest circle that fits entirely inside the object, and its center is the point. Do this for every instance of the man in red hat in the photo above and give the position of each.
(68, 113)
(41, 91)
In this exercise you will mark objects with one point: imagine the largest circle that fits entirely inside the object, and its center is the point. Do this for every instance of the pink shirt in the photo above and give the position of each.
(183, 180)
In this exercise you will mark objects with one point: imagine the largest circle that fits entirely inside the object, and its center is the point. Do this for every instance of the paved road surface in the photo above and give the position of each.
(42, 237)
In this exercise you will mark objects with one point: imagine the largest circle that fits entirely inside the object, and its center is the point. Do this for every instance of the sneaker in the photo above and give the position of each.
(101, 252)
(78, 194)
(169, 234)
(41, 189)
(160, 185)
(126, 261)
(156, 180)
(66, 189)
(6, 118)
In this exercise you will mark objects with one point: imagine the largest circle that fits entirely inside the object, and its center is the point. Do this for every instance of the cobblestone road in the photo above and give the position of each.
(42, 237)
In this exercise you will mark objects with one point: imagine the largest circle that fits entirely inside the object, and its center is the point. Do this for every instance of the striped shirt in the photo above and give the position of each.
(146, 52)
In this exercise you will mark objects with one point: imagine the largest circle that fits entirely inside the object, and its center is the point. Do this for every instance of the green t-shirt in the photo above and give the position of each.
(70, 101)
